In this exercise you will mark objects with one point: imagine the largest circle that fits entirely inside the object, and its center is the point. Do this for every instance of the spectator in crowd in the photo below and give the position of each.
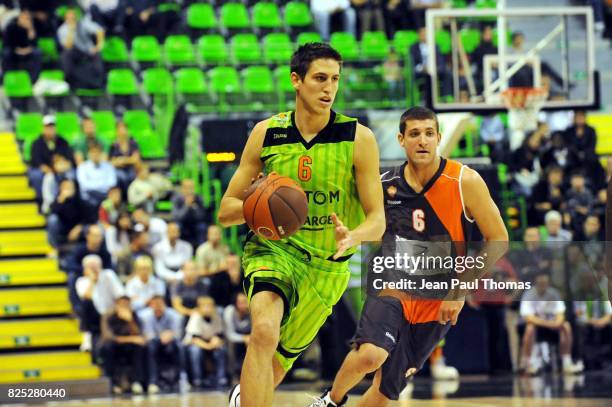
(579, 200)
(170, 254)
(227, 282)
(484, 48)
(211, 255)
(324, 10)
(111, 207)
(203, 336)
(65, 217)
(144, 17)
(139, 246)
(80, 59)
(109, 14)
(493, 133)
(393, 76)
(547, 195)
(42, 152)
(98, 290)
(163, 329)
(581, 137)
(557, 120)
(419, 52)
(143, 285)
(185, 294)
(599, 206)
(591, 234)
(598, 14)
(43, 15)
(532, 257)
(237, 321)
(62, 169)
(554, 228)
(370, 15)
(88, 137)
(558, 153)
(123, 339)
(543, 311)
(188, 210)
(96, 177)
(142, 192)
(20, 48)
(419, 7)
(117, 236)
(94, 244)
(525, 164)
(156, 227)
(396, 16)
(125, 156)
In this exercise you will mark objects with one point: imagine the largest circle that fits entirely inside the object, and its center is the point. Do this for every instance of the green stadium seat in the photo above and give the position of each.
(444, 41)
(17, 84)
(28, 126)
(68, 126)
(234, 16)
(179, 50)
(403, 40)
(278, 48)
(190, 81)
(52, 74)
(224, 79)
(137, 121)
(282, 76)
(122, 82)
(470, 39)
(245, 49)
(115, 51)
(486, 4)
(259, 87)
(459, 4)
(48, 47)
(201, 16)
(297, 16)
(145, 48)
(308, 36)
(157, 81)
(346, 44)
(266, 16)
(212, 49)
(374, 45)
(105, 124)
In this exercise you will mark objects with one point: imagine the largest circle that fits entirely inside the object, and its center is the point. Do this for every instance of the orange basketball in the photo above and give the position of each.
(275, 207)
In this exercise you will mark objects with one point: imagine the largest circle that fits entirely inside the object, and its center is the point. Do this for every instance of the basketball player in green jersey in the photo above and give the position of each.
(292, 284)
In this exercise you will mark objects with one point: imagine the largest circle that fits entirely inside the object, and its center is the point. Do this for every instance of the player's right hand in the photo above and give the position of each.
(344, 240)
(449, 311)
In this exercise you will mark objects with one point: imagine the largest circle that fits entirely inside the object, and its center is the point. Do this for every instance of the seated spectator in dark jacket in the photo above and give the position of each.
(226, 283)
(204, 339)
(80, 58)
(420, 7)
(62, 169)
(94, 244)
(98, 289)
(532, 257)
(188, 210)
(43, 15)
(65, 220)
(110, 14)
(185, 294)
(547, 195)
(486, 47)
(237, 321)
(579, 200)
(145, 17)
(20, 48)
(396, 16)
(163, 330)
(581, 137)
(125, 156)
(123, 339)
(42, 151)
(419, 54)
(525, 164)
(559, 153)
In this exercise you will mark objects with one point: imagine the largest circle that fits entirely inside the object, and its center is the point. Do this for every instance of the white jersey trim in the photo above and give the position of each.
(471, 220)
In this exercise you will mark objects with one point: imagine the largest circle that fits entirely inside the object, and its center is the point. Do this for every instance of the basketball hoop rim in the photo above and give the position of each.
(524, 97)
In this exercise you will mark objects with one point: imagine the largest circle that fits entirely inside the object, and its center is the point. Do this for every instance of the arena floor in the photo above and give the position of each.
(589, 390)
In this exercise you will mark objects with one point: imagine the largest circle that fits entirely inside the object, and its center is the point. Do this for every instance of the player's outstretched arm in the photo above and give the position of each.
(230, 211)
(367, 178)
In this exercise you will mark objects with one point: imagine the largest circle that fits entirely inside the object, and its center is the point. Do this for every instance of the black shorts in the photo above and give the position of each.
(383, 324)
(547, 335)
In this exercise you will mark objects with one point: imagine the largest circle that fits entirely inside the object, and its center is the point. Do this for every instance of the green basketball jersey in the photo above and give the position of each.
(324, 169)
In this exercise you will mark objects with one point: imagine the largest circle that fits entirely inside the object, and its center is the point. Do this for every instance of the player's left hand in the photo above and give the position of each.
(344, 239)
(449, 311)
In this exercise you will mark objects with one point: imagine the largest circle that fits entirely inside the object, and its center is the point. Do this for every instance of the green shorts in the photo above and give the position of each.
(310, 287)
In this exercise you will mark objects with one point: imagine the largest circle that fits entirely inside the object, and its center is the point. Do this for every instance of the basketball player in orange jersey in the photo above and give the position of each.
(293, 283)
(427, 198)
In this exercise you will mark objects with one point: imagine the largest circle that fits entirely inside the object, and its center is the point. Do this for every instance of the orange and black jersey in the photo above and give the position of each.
(436, 213)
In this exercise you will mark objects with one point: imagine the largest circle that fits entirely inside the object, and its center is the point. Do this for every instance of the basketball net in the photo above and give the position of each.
(523, 106)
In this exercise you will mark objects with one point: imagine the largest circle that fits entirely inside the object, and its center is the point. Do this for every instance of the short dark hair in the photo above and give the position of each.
(418, 113)
(517, 34)
(305, 54)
